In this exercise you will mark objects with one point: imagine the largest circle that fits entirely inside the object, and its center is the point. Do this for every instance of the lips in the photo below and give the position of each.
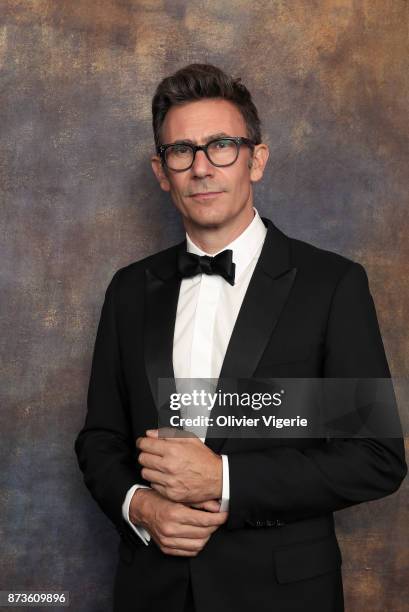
(206, 194)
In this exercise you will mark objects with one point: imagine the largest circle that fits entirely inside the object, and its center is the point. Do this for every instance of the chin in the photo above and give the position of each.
(210, 219)
(208, 216)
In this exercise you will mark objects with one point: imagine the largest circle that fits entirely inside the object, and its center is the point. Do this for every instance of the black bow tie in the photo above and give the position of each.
(190, 264)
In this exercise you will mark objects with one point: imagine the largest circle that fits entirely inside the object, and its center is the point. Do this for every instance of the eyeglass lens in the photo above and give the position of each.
(221, 153)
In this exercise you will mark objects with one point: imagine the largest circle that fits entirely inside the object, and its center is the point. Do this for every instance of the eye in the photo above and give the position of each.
(223, 144)
(180, 149)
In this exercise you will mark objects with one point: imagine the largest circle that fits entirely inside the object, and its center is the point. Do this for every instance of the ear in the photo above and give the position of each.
(258, 162)
(160, 172)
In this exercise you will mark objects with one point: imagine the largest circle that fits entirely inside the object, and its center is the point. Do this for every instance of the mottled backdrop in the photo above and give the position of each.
(79, 200)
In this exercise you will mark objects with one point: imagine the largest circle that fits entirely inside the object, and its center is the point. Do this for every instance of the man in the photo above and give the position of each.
(232, 523)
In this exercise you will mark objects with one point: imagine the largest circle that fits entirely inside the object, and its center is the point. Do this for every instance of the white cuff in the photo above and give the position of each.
(224, 502)
(141, 531)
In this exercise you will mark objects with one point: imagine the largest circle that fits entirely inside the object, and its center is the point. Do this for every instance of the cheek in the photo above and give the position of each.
(241, 181)
(178, 188)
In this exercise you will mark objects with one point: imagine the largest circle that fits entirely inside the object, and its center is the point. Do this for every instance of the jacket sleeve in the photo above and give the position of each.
(104, 447)
(286, 484)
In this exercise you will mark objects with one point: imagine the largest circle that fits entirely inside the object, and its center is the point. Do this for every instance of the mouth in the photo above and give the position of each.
(207, 195)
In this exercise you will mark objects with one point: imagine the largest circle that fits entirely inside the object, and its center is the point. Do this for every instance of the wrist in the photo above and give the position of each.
(137, 507)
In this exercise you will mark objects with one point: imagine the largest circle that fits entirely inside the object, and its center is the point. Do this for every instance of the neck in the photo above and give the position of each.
(216, 238)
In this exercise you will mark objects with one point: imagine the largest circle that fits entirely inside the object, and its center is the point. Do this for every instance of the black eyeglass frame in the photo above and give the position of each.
(239, 140)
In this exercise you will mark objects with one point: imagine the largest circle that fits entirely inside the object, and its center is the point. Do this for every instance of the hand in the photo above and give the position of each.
(176, 528)
(181, 469)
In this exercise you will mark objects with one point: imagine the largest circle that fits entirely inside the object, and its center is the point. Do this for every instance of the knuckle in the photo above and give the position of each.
(172, 514)
(170, 494)
(171, 481)
(166, 531)
(175, 513)
(173, 494)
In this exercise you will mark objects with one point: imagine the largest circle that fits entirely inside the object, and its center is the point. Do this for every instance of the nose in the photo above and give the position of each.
(201, 165)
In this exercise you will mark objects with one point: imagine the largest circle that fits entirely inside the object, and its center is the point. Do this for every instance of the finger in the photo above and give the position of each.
(151, 445)
(202, 518)
(152, 433)
(160, 489)
(187, 544)
(154, 476)
(195, 533)
(154, 462)
(190, 531)
(177, 552)
(176, 434)
(169, 432)
(211, 505)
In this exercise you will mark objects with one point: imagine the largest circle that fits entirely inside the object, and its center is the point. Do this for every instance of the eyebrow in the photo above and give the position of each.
(207, 139)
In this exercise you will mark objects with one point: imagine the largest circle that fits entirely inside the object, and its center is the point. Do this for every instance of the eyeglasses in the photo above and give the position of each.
(220, 152)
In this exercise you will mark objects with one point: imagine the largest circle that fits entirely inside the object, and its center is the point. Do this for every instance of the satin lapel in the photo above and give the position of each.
(162, 293)
(263, 303)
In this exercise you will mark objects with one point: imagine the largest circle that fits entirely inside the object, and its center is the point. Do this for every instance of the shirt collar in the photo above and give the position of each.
(244, 247)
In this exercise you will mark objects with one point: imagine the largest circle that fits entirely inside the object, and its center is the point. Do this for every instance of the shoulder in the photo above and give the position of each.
(324, 265)
(131, 275)
(312, 262)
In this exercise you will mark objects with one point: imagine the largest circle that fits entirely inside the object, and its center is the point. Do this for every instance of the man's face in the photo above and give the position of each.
(197, 122)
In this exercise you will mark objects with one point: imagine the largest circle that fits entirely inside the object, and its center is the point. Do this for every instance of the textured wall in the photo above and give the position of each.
(79, 200)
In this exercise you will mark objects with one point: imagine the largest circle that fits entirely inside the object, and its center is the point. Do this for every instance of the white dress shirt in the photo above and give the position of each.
(206, 313)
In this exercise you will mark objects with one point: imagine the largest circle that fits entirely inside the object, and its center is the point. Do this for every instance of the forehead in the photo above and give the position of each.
(197, 120)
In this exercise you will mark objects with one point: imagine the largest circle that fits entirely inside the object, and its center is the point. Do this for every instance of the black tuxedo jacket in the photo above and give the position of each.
(307, 313)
